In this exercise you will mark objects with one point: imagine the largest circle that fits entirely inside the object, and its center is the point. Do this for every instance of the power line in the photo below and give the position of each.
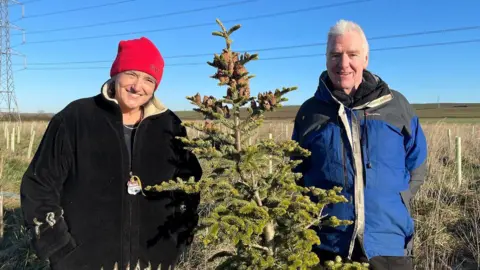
(385, 49)
(206, 24)
(76, 9)
(420, 33)
(290, 56)
(142, 18)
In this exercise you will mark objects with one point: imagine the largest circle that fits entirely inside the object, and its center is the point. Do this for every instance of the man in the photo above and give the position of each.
(83, 194)
(366, 138)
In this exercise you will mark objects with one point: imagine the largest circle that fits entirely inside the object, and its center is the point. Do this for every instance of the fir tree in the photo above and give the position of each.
(260, 210)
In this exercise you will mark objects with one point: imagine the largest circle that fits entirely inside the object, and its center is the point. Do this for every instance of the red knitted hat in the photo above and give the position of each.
(141, 55)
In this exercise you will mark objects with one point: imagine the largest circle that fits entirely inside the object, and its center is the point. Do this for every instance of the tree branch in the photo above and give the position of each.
(316, 220)
(245, 184)
(266, 249)
(256, 194)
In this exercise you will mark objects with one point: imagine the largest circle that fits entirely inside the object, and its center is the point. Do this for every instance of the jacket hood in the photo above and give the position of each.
(371, 89)
(152, 107)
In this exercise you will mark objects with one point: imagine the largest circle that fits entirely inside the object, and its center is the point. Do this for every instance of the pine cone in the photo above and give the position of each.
(272, 99)
(266, 101)
(198, 99)
(230, 59)
(244, 90)
(226, 56)
(239, 70)
(209, 126)
(221, 76)
(208, 101)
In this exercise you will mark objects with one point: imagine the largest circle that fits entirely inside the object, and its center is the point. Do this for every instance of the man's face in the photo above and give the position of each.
(346, 60)
(133, 89)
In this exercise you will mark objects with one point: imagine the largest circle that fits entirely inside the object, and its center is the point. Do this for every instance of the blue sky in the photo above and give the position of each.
(421, 74)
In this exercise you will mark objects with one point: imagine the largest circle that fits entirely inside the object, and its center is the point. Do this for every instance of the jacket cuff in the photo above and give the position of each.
(51, 239)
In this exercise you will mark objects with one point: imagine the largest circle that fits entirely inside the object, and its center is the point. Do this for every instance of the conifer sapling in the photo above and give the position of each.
(266, 217)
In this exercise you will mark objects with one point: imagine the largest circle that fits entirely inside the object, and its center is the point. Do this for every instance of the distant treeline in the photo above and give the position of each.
(27, 117)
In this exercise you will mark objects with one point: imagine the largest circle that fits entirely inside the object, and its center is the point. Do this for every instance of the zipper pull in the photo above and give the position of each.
(134, 185)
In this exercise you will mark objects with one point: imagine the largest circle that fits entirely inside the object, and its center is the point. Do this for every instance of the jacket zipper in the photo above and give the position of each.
(342, 145)
(355, 229)
(345, 177)
(359, 136)
(132, 198)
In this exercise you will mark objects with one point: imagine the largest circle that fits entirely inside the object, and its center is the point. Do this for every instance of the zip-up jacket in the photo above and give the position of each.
(74, 193)
(372, 145)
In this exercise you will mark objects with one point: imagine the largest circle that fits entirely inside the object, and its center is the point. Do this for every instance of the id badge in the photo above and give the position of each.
(134, 186)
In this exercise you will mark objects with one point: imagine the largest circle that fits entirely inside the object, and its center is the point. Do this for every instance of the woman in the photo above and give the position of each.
(82, 194)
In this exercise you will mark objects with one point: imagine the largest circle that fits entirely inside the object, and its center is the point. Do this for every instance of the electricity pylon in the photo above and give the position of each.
(8, 102)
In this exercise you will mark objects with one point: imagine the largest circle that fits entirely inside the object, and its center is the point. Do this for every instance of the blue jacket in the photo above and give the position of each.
(375, 149)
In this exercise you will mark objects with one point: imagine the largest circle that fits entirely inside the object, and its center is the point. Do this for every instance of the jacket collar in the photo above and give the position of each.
(152, 107)
(325, 94)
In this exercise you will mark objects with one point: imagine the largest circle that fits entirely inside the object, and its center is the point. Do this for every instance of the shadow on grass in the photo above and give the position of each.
(15, 249)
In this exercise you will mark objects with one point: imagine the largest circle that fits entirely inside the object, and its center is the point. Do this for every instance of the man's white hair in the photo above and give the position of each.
(344, 26)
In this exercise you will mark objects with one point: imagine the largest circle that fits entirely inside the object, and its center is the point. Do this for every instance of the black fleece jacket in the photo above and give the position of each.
(74, 193)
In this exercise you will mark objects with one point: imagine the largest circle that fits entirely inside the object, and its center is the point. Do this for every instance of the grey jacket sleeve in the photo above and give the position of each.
(415, 147)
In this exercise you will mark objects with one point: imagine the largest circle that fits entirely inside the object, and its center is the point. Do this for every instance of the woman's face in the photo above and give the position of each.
(133, 89)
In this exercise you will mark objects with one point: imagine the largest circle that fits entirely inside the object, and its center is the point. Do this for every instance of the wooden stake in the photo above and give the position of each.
(1, 214)
(459, 160)
(13, 140)
(30, 146)
(449, 141)
(7, 136)
(2, 164)
(270, 163)
(19, 131)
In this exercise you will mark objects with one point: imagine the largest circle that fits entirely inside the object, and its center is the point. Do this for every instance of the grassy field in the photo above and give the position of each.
(447, 214)
(454, 112)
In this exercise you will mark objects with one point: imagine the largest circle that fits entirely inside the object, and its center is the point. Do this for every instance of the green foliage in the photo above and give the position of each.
(338, 264)
(257, 205)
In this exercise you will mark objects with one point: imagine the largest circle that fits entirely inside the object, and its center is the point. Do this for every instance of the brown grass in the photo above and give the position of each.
(446, 213)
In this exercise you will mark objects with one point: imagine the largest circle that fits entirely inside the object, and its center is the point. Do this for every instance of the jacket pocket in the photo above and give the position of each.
(62, 262)
(327, 168)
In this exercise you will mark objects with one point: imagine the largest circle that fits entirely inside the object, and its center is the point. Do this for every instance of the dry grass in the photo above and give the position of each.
(447, 215)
